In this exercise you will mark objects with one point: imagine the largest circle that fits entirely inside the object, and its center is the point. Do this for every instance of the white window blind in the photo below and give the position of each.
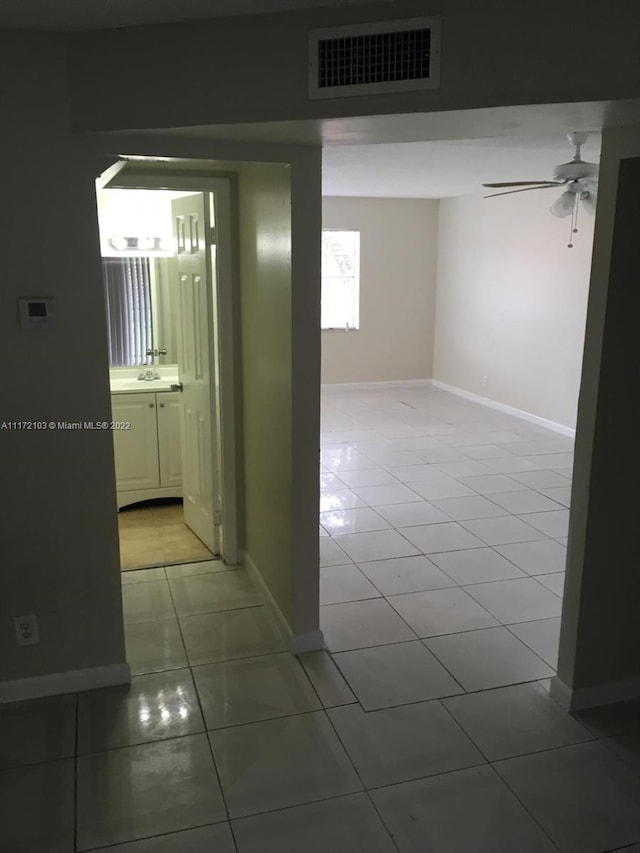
(340, 279)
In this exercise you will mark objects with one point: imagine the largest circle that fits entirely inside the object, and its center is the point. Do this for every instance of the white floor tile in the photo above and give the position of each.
(476, 565)
(204, 839)
(230, 635)
(503, 530)
(470, 507)
(542, 637)
(377, 545)
(144, 575)
(627, 747)
(441, 611)
(245, 691)
(342, 824)
(359, 624)
(487, 451)
(519, 600)
(387, 494)
(435, 538)
(492, 657)
(554, 582)
(154, 646)
(468, 810)
(412, 473)
(536, 558)
(153, 707)
(209, 593)
(344, 458)
(37, 808)
(361, 520)
(442, 453)
(279, 763)
(559, 494)
(515, 720)
(525, 501)
(331, 554)
(462, 469)
(339, 499)
(37, 731)
(491, 484)
(398, 744)
(612, 719)
(540, 479)
(131, 793)
(405, 574)
(385, 676)
(368, 477)
(412, 514)
(327, 679)
(344, 583)
(582, 796)
(551, 523)
(147, 602)
(441, 485)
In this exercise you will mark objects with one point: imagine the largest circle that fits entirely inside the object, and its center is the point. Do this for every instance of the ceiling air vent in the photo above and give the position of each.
(363, 59)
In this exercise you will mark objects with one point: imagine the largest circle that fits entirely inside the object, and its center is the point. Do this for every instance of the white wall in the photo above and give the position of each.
(511, 302)
(398, 248)
(58, 528)
(161, 76)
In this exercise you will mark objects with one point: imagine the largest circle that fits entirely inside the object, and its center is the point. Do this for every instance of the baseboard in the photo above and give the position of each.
(311, 641)
(71, 681)
(507, 410)
(370, 386)
(593, 697)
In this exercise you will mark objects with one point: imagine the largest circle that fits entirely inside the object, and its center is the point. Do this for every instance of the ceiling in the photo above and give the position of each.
(78, 15)
(443, 169)
(438, 154)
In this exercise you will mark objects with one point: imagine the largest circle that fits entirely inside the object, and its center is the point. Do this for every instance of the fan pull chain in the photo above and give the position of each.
(574, 219)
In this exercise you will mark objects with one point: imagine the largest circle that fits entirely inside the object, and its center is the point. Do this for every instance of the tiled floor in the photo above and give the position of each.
(427, 727)
(154, 534)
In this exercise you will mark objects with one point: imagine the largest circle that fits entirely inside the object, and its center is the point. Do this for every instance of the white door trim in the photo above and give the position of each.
(227, 326)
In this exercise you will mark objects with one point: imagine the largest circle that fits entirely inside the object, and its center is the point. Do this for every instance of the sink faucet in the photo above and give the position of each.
(148, 375)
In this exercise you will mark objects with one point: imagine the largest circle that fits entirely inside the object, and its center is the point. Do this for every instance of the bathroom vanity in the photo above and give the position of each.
(148, 454)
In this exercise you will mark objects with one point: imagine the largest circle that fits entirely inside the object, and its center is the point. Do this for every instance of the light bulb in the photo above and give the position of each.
(564, 205)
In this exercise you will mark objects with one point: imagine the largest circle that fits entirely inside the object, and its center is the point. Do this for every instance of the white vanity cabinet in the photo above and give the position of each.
(148, 454)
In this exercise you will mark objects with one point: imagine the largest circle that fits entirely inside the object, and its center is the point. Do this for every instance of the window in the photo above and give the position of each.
(340, 279)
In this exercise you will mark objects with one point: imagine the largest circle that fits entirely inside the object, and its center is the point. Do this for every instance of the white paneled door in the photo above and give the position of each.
(197, 366)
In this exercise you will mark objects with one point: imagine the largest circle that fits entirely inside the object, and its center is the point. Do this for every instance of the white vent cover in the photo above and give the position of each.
(363, 59)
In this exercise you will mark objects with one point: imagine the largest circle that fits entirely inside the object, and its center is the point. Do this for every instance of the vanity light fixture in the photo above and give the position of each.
(137, 244)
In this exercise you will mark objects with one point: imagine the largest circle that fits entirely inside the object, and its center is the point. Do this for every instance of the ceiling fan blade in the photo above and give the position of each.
(522, 184)
(523, 190)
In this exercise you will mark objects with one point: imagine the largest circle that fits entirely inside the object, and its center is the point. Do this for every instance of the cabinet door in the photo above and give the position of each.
(169, 444)
(136, 449)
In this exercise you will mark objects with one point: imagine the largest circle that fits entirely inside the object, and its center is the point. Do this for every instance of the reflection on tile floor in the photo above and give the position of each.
(427, 726)
(153, 533)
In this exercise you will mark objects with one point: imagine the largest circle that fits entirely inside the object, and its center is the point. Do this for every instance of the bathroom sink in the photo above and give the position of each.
(138, 386)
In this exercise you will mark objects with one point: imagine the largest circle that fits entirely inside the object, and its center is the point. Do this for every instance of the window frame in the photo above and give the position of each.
(356, 284)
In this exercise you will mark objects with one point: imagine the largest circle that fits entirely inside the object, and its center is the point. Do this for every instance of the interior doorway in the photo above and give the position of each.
(164, 276)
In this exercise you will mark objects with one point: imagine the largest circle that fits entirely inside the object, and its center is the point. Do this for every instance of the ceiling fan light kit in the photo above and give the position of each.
(579, 178)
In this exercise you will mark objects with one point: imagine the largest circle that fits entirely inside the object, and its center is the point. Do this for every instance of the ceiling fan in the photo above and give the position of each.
(579, 178)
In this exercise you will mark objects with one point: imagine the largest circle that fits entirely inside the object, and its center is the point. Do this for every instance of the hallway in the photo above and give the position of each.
(428, 727)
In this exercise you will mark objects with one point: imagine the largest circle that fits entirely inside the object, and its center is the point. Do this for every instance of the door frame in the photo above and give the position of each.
(224, 398)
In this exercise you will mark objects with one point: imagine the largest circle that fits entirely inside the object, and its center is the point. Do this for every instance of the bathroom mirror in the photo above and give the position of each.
(140, 275)
(140, 294)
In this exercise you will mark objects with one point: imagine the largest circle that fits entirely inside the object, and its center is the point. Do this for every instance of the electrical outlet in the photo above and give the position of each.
(27, 633)
(485, 380)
